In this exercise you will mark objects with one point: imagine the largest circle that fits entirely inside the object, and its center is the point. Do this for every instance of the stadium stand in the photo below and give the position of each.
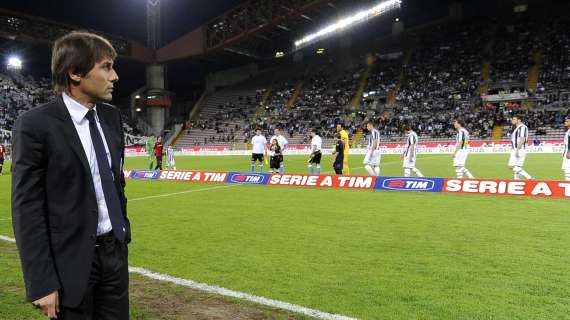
(440, 81)
(19, 93)
(431, 81)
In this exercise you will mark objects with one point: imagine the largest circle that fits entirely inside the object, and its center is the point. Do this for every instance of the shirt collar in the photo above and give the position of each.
(77, 110)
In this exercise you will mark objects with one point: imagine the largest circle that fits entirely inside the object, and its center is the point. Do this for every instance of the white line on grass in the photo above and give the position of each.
(5, 219)
(4, 238)
(183, 192)
(229, 293)
(240, 295)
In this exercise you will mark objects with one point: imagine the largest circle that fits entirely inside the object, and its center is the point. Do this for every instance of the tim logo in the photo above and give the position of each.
(408, 184)
(145, 174)
(247, 178)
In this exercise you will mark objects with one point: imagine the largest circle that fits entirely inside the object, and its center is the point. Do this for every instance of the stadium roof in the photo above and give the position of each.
(126, 20)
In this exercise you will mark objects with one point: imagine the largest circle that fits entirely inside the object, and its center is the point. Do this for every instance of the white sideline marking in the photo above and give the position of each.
(183, 192)
(5, 219)
(229, 293)
(240, 295)
(4, 238)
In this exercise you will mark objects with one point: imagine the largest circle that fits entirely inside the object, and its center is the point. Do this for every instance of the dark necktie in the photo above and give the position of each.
(107, 181)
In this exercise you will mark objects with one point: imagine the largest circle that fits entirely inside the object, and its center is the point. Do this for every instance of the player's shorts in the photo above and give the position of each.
(171, 163)
(316, 159)
(257, 157)
(517, 162)
(373, 160)
(566, 164)
(460, 158)
(407, 163)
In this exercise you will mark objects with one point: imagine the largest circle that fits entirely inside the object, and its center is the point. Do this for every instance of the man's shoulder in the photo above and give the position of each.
(40, 112)
(106, 106)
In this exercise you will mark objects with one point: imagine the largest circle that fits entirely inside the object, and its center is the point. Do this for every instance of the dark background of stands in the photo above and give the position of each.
(127, 18)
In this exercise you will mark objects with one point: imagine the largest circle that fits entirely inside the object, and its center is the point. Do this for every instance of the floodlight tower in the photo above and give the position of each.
(156, 98)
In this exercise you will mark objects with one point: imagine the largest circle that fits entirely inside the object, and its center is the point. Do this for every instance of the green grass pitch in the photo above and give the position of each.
(365, 254)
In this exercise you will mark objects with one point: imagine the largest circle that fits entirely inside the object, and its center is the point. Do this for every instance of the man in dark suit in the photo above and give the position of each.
(68, 201)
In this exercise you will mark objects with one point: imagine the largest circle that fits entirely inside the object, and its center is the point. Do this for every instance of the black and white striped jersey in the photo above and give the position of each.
(462, 138)
(412, 141)
(521, 132)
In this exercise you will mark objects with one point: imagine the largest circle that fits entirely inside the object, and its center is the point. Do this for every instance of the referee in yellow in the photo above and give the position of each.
(344, 137)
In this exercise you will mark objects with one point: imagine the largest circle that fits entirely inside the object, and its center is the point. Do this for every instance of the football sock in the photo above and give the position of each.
(377, 171)
(417, 172)
(468, 173)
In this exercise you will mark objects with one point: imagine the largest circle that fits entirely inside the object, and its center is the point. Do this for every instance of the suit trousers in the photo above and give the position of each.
(107, 295)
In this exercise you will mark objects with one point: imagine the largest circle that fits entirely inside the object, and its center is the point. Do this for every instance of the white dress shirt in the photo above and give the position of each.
(78, 113)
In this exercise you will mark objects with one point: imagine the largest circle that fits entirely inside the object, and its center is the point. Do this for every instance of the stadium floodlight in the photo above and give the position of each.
(138, 109)
(279, 54)
(137, 96)
(347, 22)
(14, 63)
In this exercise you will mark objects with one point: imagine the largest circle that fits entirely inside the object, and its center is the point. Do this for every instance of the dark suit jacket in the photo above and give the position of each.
(54, 207)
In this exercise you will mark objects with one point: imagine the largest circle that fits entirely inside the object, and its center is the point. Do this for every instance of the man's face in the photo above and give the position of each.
(277, 132)
(456, 125)
(98, 82)
(515, 120)
(312, 134)
(338, 128)
(567, 123)
(258, 132)
(369, 127)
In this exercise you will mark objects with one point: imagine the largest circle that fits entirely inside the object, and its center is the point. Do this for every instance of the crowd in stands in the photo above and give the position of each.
(427, 85)
(20, 93)
(441, 81)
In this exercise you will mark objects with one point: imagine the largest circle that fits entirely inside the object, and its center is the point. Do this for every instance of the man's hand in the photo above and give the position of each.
(49, 305)
(517, 154)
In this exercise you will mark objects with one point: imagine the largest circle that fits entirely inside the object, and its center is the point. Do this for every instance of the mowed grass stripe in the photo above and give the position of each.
(370, 255)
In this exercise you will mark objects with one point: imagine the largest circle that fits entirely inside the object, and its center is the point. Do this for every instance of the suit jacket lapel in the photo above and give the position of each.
(72, 138)
(71, 134)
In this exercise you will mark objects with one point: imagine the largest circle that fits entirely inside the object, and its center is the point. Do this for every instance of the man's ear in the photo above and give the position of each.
(74, 77)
